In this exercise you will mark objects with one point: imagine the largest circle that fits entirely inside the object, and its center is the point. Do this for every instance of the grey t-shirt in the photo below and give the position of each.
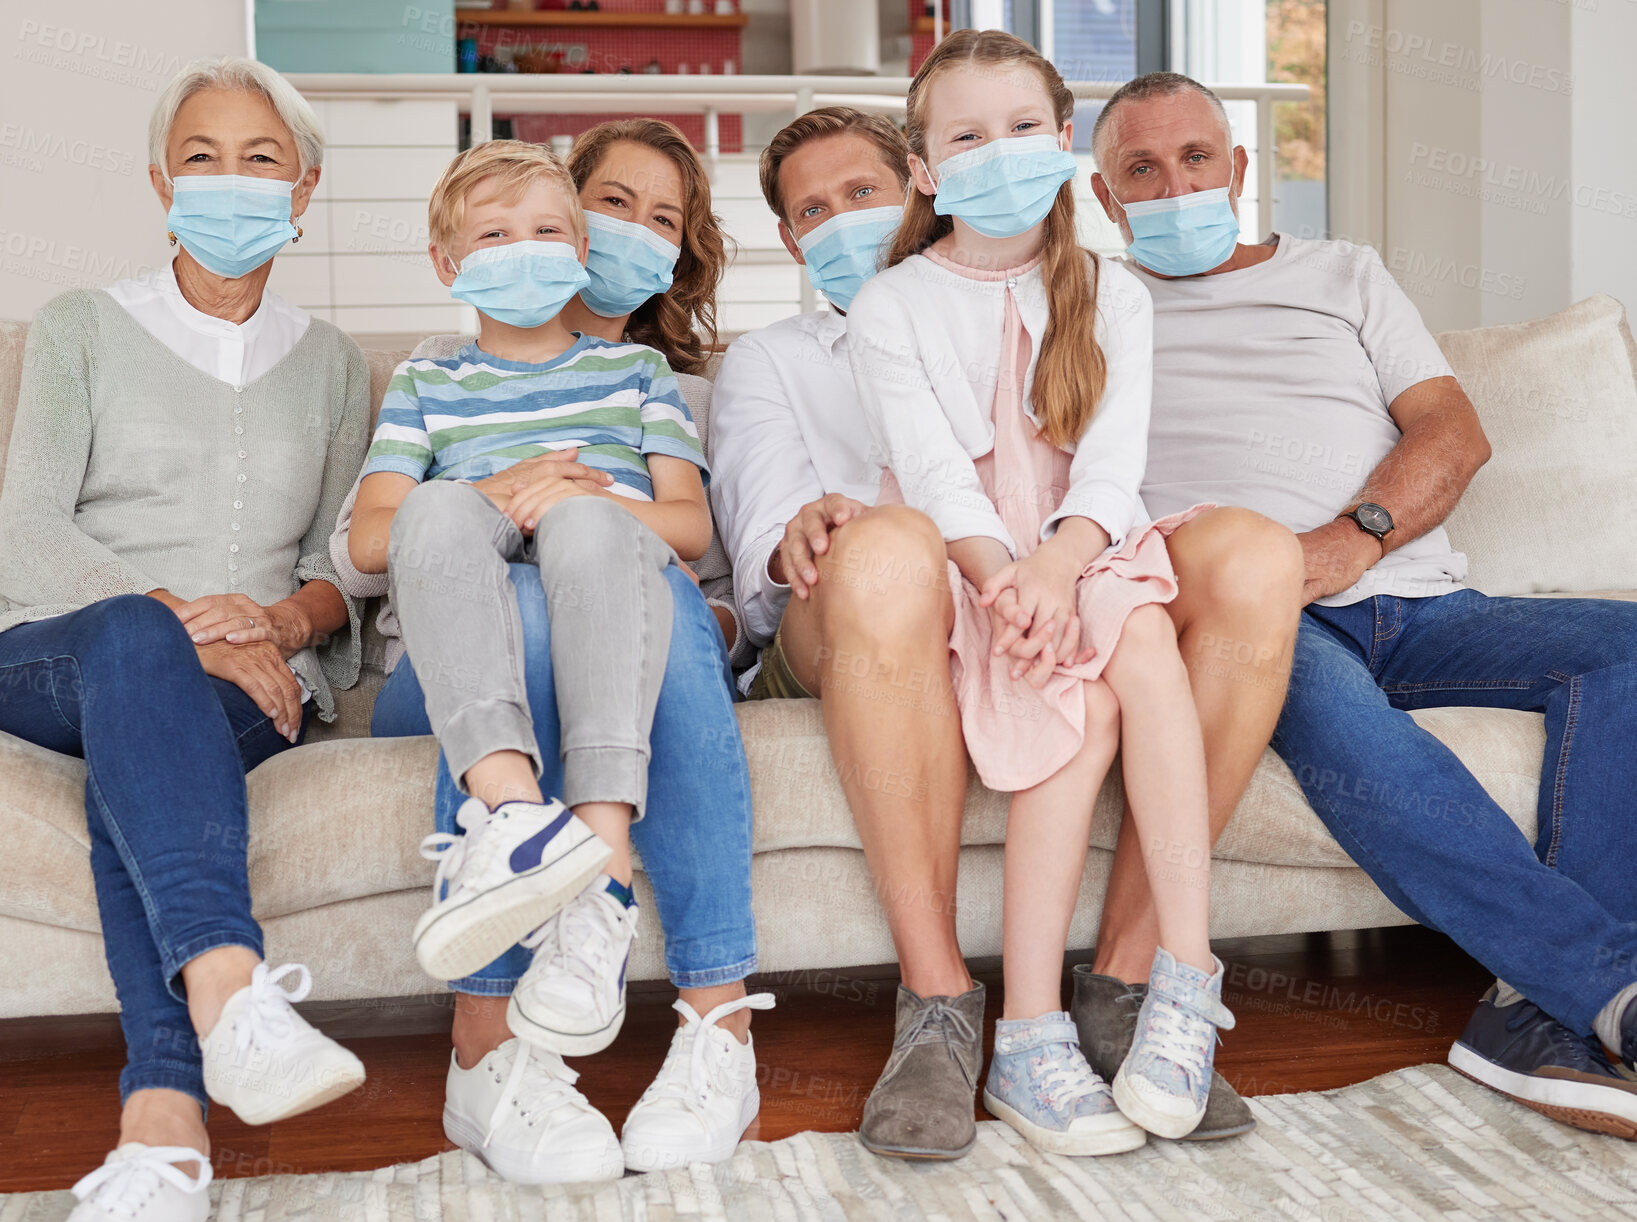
(1271, 389)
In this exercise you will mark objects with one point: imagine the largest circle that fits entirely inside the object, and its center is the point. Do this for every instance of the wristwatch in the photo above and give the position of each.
(1373, 520)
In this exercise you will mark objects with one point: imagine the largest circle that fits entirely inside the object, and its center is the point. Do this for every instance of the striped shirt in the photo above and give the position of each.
(473, 414)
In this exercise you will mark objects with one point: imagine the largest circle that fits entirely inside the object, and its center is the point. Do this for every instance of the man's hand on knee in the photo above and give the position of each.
(806, 537)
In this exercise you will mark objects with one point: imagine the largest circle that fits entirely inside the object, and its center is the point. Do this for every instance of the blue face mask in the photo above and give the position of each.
(522, 284)
(1183, 235)
(230, 223)
(627, 263)
(1004, 187)
(846, 250)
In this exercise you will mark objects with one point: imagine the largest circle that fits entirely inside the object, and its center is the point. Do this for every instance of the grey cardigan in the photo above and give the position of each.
(130, 470)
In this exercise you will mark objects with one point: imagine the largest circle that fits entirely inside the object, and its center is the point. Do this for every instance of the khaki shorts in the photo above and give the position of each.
(776, 681)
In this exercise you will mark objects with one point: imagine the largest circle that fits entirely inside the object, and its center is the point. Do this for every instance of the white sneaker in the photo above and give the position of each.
(138, 1183)
(571, 1001)
(514, 868)
(518, 1111)
(704, 1098)
(265, 1061)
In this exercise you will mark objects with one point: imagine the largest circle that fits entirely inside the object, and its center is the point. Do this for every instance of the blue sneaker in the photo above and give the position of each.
(1527, 1055)
(1165, 1080)
(515, 868)
(1040, 1084)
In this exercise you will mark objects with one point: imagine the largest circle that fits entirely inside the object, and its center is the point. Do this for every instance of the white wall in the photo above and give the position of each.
(79, 81)
(1484, 150)
(1603, 147)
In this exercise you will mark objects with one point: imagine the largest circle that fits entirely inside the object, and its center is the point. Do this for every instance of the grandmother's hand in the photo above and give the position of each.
(259, 672)
(240, 620)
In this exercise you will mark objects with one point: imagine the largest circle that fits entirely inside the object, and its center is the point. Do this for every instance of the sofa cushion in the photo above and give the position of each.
(13, 336)
(1558, 400)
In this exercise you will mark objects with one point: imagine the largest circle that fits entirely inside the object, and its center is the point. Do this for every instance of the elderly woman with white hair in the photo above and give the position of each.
(169, 613)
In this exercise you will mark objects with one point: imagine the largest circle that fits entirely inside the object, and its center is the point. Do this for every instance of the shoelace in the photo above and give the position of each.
(266, 1019)
(1586, 1047)
(937, 1022)
(1182, 1037)
(122, 1187)
(1070, 1076)
(549, 1084)
(687, 1074)
(451, 851)
(585, 932)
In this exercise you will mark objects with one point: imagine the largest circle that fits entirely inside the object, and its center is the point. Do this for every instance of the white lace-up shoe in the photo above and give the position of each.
(571, 1001)
(518, 1111)
(139, 1183)
(704, 1098)
(1164, 1082)
(265, 1061)
(514, 868)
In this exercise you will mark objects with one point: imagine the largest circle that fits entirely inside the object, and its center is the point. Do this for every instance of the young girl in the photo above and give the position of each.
(1006, 375)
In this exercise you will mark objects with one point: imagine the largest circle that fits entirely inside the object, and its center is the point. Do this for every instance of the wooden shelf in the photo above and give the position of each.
(567, 19)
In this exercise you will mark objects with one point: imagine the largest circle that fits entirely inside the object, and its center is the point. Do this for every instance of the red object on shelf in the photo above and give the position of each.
(685, 51)
(920, 24)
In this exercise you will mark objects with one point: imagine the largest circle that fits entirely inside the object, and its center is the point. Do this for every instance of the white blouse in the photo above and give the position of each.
(924, 343)
(235, 353)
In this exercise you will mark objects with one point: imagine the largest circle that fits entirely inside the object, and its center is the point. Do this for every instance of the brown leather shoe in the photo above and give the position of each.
(1105, 1011)
(923, 1103)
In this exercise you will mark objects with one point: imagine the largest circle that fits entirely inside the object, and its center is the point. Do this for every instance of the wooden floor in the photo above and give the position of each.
(1315, 1011)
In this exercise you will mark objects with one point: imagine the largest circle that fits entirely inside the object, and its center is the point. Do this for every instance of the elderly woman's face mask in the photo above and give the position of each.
(229, 223)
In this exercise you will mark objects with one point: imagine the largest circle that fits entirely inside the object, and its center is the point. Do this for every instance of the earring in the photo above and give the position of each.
(171, 236)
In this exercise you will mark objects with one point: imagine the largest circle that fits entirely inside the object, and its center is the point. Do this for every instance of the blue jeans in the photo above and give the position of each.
(695, 840)
(1556, 920)
(166, 750)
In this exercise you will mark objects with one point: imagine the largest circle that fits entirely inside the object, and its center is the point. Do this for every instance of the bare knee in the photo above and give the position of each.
(1102, 707)
(1236, 561)
(886, 575)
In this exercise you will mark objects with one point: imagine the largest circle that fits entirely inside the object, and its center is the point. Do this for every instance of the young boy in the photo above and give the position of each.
(541, 445)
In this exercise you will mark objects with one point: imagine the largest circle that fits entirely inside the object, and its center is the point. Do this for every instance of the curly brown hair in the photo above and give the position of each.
(681, 322)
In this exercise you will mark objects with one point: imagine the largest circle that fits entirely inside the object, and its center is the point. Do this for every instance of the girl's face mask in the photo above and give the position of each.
(1004, 187)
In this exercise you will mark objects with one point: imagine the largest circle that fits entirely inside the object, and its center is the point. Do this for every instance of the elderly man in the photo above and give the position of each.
(1256, 347)
(867, 632)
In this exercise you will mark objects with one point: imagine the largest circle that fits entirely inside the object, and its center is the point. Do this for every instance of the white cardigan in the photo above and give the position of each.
(925, 349)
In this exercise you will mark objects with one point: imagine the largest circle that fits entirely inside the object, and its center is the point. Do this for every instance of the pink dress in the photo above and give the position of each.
(1017, 735)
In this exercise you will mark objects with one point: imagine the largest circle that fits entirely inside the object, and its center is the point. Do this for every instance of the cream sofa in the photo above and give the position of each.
(335, 824)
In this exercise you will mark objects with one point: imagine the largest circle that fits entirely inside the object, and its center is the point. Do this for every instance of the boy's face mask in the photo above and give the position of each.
(522, 284)
(1004, 187)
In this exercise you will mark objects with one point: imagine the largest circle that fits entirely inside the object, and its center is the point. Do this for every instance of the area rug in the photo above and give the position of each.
(1420, 1143)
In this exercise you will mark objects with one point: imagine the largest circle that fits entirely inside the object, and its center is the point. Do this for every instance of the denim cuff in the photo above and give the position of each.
(165, 1075)
(481, 728)
(606, 774)
(710, 978)
(485, 986)
(175, 958)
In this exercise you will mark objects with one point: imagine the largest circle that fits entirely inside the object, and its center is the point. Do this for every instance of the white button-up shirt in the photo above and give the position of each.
(235, 353)
(786, 428)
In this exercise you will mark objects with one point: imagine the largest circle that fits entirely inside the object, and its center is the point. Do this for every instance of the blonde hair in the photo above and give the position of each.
(1071, 373)
(236, 76)
(513, 165)
(831, 121)
(680, 322)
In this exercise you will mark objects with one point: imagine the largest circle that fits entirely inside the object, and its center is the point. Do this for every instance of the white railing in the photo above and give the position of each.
(522, 93)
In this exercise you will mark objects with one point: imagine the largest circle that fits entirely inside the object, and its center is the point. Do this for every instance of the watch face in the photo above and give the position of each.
(1375, 519)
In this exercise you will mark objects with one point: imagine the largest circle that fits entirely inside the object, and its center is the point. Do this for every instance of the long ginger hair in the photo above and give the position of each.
(680, 322)
(1071, 373)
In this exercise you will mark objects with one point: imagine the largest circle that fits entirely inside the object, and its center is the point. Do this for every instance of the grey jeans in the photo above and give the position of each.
(610, 608)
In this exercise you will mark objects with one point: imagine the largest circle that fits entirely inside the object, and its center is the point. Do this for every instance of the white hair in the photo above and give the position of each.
(240, 76)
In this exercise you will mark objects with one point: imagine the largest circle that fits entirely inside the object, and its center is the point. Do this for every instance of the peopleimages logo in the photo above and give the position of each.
(1441, 53)
(1432, 165)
